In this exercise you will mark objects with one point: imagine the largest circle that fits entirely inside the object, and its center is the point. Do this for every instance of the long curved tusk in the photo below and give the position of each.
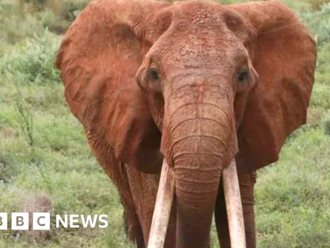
(234, 206)
(163, 207)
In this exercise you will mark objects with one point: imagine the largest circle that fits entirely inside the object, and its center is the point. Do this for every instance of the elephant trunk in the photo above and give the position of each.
(199, 140)
(198, 154)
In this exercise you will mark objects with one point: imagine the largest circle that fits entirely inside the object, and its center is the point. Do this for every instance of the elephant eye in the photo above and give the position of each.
(153, 78)
(243, 75)
(154, 74)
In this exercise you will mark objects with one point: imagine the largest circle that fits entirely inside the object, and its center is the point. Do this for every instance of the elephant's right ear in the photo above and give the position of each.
(98, 59)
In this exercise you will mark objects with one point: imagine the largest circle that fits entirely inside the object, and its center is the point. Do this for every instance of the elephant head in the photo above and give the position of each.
(197, 83)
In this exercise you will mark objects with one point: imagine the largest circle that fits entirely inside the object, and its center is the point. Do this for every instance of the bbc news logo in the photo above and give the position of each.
(41, 221)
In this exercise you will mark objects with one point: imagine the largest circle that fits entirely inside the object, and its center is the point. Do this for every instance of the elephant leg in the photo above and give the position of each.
(132, 226)
(144, 189)
(117, 172)
(221, 219)
(246, 182)
(137, 192)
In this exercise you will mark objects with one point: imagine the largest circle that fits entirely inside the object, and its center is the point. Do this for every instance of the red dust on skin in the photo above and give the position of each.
(197, 82)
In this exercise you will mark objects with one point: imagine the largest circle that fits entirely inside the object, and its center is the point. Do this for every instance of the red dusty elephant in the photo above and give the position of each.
(198, 87)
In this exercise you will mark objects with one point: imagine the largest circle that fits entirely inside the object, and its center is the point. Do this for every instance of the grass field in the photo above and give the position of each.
(43, 151)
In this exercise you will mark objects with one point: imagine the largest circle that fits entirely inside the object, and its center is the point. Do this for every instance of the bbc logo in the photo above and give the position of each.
(20, 221)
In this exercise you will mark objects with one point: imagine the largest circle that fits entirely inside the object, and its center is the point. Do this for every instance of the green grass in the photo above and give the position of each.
(293, 195)
(43, 149)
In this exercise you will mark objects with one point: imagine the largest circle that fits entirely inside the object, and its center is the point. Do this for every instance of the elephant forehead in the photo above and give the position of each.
(207, 16)
(207, 52)
(201, 13)
(201, 35)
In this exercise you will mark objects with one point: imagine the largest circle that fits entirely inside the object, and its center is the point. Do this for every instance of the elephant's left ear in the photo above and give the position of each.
(284, 55)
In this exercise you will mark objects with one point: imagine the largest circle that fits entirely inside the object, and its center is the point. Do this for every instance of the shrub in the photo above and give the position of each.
(326, 123)
(32, 61)
(18, 22)
(317, 4)
(65, 11)
(319, 23)
(38, 4)
(323, 65)
(320, 97)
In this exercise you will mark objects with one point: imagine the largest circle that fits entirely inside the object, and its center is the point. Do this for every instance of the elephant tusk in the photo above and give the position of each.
(163, 207)
(234, 206)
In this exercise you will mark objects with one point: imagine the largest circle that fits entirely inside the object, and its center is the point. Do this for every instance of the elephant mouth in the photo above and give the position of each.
(164, 202)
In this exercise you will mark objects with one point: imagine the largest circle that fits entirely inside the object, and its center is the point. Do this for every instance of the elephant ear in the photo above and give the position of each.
(98, 59)
(284, 56)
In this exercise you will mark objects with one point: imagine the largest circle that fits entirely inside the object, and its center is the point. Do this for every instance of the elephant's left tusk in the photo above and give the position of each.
(163, 207)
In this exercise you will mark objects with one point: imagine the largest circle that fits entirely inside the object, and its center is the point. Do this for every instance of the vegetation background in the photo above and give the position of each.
(44, 154)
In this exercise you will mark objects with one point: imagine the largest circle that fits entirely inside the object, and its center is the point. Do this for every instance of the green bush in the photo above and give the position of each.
(70, 9)
(317, 4)
(18, 23)
(319, 23)
(38, 4)
(20, 19)
(65, 11)
(321, 96)
(32, 61)
(322, 75)
(326, 123)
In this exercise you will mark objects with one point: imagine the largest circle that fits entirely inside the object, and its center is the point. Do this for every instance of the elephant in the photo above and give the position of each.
(188, 99)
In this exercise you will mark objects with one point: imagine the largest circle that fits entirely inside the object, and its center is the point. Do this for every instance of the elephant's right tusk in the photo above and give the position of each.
(234, 206)
(163, 207)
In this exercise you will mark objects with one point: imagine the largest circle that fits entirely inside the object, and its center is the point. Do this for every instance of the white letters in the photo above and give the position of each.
(3, 221)
(88, 219)
(20, 221)
(64, 222)
(103, 221)
(41, 221)
(74, 220)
